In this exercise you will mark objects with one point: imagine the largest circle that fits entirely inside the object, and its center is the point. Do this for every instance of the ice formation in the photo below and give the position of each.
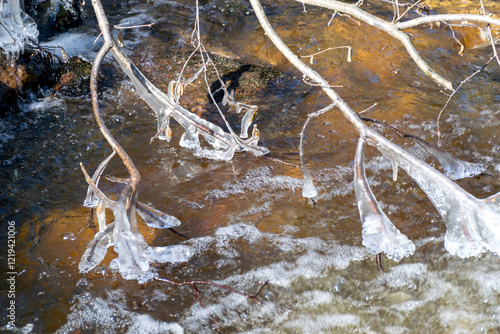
(224, 144)
(453, 168)
(379, 233)
(134, 254)
(17, 29)
(309, 189)
(473, 225)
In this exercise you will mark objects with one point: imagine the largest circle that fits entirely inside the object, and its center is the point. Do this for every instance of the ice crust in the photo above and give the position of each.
(17, 29)
(379, 233)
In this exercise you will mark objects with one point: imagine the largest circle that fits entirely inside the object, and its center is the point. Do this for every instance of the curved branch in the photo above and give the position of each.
(390, 28)
(108, 45)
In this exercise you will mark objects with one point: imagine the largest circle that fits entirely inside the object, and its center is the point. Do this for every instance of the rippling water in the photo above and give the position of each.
(247, 218)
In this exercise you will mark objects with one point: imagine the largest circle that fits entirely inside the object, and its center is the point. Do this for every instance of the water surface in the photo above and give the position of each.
(247, 219)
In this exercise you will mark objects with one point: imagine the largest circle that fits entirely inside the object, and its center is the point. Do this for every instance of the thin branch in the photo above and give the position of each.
(447, 18)
(454, 92)
(134, 27)
(407, 10)
(108, 45)
(192, 284)
(490, 35)
(348, 47)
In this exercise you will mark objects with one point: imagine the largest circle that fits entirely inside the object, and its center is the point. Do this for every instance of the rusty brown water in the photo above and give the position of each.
(247, 218)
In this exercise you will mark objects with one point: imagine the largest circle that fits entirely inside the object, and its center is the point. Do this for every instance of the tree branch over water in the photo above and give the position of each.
(473, 225)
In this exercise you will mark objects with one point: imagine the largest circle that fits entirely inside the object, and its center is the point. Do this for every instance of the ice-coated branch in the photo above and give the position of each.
(379, 233)
(453, 168)
(166, 105)
(473, 225)
(134, 254)
(308, 188)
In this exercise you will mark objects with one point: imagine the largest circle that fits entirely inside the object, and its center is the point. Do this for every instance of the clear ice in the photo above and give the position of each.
(223, 144)
(17, 29)
(473, 225)
(453, 168)
(379, 233)
(134, 254)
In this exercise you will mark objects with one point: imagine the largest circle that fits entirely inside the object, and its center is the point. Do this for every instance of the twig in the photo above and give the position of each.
(453, 93)
(133, 27)
(378, 259)
(348, 47)
(192, 283)
(407, 10)
(490, 35)
(368, 109)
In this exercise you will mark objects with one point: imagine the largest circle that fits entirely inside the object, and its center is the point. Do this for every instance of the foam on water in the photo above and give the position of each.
(106, 315)
(257, 180)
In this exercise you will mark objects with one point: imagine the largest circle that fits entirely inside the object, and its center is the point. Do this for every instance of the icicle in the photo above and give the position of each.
(395, 167)
(190, 139)
(17, 29)
(154, 218)
(453, 168)
(247, 120)
(101, 215)
(97, 249)
(308, 188)
(379, 234)
(473, 225)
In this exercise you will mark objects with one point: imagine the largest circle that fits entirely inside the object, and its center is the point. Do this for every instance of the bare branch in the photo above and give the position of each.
(192, 283)
(390, 28)
(447, 18)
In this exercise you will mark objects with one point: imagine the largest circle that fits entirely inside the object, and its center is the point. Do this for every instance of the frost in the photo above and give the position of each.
(453, 168)
(17, 29)
(379, 234)
(473, 225)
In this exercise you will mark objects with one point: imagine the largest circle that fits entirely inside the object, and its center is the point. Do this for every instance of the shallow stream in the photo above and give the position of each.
(248, 221)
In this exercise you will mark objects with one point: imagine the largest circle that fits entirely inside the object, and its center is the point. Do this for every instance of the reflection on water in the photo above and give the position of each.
(247, 218)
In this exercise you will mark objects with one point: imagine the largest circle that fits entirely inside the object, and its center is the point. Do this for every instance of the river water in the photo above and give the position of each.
(248, 221)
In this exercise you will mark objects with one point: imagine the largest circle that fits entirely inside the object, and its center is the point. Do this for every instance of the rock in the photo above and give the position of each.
(31, 72)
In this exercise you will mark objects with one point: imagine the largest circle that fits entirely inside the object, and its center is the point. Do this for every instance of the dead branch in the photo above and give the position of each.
(224, 287)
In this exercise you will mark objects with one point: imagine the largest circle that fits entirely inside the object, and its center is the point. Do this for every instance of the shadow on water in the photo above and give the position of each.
(248, 220)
